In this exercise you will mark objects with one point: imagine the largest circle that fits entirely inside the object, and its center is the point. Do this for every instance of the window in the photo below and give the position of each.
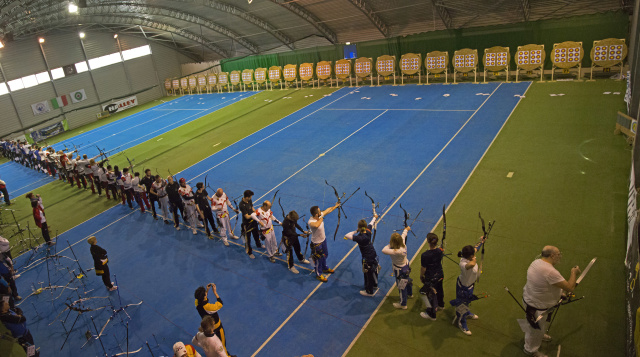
(136, 52)
(30, 81)
(43, 77)
(15, 84)
(57, 73)
(104, 61)
(82, 67)
(3, 89)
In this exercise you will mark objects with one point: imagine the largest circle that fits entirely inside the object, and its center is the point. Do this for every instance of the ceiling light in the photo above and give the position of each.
(81, 34)
(115, 36)
(73, 8)
(40, 39)
(1, 44)
(347, 43)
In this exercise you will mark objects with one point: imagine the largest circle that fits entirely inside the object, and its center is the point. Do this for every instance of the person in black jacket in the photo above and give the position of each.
(432, 275)
(147, 181)
(204, 210)
(175, 201)
(249, 226)
(205, 309)
(370, 265)
(290, 239)
(100, 261)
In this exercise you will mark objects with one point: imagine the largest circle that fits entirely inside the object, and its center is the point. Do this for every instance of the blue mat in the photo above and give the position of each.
(421, 157)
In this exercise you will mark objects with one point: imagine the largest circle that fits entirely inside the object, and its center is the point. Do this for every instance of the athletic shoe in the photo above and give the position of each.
(226, 244)
(397, 305)
(304, 261)
(321, 278)
(16, 276)
(365, 293)
(166, 221)
(235, 237)
(194, 232)
(272, 259)
(210, 236)
(464, 328)
(278, 254)
(328, 271)
(534, 354)
(252, 256)
(18, 298)
(426, 316)
(113, 287)
(546, 338)
(410, 296)
(294, 270)
(154, 217)
(200, 225)
(474, 317)
(260, 246)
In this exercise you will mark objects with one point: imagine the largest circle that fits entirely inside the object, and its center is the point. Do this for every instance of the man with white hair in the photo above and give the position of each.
(544, 288)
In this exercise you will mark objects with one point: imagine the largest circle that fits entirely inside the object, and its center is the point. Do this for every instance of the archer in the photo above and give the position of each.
(319, 251)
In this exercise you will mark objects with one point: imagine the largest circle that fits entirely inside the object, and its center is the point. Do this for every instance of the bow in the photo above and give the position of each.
(235, 202)
(340, 204)
(444, 226)
(375, 225)
(406, 218)
(104, 156)
(130, 161)
(485, 233)
(172, 175)
(274, 198)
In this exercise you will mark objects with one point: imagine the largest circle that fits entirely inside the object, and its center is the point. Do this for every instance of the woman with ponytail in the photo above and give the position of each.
(431, 275)
(370, 265)
(464, 286)
(397, 249)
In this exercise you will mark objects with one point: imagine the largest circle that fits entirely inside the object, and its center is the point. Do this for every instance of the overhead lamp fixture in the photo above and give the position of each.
(41, 39)
(1, 44)
(81, 34)
(73, 8)
(249, 1)
(347, 43)
(115, 35)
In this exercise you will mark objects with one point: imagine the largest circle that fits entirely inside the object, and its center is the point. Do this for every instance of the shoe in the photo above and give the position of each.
(194, 232)
(474, 317)
(259, 246)
(252, 256)
(166, 222)
(304, 261)
(294, 270)
(226, 244)
(235, 237)
(210, 236)
(177, 228)
(546, 338)
(321, 278)
(464, 329)
(534, 354)
(272, 259)
(278, 254)
(328, 271)
(426, 316)
(17, 298)
(200, 225)
(154, 217)
(113, 288)
(410, 296)
(365, 293)
(397, 305)
(16, 276)
(216, 231)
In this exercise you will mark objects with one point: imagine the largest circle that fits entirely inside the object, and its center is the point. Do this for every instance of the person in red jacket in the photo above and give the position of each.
(41, 220)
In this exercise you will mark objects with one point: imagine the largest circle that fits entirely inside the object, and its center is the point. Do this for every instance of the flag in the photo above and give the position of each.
(78, 96)
(60, 102)
(40, 108)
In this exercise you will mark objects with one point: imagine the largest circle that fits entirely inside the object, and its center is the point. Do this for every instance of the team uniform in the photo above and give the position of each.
(5, 193)
(138, 193)
(539, 295)
(319, 249)
(158, 192)
(220, 206)
(205, 308)
(432, 290)
(401, 270)
(127, 189)
(41, 222)
(100, 261)
(211, 344)
(267, 230)
(249, 226)
(291, 242)
(146, 195)
(189, 206)
(202, 200)
(370, 266)
(175, 202)
(464, 294)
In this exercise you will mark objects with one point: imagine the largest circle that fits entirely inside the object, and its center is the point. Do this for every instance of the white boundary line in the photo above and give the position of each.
(437, 223)
(382, 216)
(411, 110)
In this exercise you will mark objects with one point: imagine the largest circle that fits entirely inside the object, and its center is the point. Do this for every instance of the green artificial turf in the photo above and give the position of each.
(179, 148)
(569, 189)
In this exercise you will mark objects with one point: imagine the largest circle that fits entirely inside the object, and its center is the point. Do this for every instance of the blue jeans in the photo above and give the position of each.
(406, 291)
(321, 262)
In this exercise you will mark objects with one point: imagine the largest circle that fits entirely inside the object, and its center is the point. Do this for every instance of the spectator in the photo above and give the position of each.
(15, 322)
(182, 350)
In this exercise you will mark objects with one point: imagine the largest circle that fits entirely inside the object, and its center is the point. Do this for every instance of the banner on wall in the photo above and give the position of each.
(41, 108)
(121, 105)
(51, 130)
(78, 96)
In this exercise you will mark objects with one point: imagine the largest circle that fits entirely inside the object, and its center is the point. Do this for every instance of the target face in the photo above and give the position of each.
(261, 75)
(439, 62)
(566, 55)
(247, 76)
(462, 61)
(608, 53)
(323, 70)
(212, 79)
(223, 78)
(411, 64)
(343, 68)
(175, 83)
(363, 67)
(385, 65)
(274, 74)
(234, 77)
(202, 81)
(192, 82)
(306, 71)
(167, 84)
(183, 82)
(529, 57)
(289, 72)
(496, 59)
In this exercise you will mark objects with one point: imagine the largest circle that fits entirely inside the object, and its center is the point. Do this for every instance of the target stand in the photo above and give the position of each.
(175, 87)
(567, 55)
(305, 71)
(167, 87)
(212, 82)
(386, 67)
(202, 84)
(193, 85)
(410, 65)
(247, 80)
(363, 69)
(275, 76)
(323, 73)
(184, 85)
(260, 76)
(465, 61)
(608, 53)
(291, 75)
(342, 71)
(223, 81)
(530, 58)
(436, 63)
(496, 59)
(234, 80)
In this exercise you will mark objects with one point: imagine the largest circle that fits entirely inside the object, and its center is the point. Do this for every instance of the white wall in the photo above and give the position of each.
(22, 58)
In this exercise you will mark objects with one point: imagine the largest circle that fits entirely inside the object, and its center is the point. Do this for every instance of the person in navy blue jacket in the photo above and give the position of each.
(370, 265)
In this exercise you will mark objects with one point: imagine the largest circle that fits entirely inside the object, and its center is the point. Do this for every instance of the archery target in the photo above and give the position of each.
(363, 67)
(260, 75)
(223, 78)
(175, 83)
(212, 79)
(306, 71)
(323, 69)
(192, 81)
(343, 68)
(436, 62)
(202, 81)
(184, 82)
(274, 74)
(247, 76)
